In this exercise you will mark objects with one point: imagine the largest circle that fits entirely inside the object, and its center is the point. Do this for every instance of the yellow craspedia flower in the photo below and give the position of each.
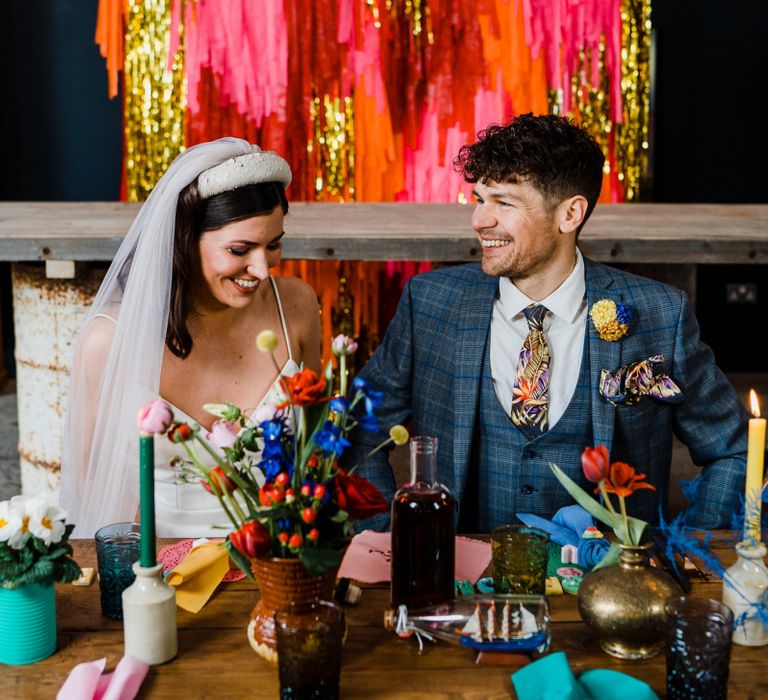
(398, 434)
(603, 312)
(605, 318)
(266, 341)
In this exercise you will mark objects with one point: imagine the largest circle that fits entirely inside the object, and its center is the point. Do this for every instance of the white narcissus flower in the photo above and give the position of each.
(46, 522)
(10, 523)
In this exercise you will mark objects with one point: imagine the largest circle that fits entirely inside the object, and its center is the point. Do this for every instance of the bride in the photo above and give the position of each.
(177, 316)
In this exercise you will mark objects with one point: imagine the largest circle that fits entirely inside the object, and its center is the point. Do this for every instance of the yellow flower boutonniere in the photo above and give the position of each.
(611, 320)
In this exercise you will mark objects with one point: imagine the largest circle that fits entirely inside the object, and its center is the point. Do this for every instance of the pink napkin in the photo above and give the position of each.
(86, 682)
(369, 556)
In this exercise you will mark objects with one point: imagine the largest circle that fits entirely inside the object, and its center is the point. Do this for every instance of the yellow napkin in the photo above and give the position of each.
(195, 579)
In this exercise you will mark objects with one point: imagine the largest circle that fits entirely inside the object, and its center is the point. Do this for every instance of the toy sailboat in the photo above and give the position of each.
(488, 622)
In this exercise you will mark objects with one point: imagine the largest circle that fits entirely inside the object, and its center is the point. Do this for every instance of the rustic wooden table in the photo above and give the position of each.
(215, 660)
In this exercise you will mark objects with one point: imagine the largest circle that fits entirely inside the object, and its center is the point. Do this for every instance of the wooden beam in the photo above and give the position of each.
(620, 233)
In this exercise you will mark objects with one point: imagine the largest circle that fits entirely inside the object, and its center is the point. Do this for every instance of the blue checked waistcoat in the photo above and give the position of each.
(509, 473)
(430, 367)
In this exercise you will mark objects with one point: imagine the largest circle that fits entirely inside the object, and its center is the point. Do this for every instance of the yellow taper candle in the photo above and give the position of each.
(755, 457)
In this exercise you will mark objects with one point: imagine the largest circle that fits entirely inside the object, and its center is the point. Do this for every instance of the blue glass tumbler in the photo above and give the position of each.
(698, 648)
(117, 548)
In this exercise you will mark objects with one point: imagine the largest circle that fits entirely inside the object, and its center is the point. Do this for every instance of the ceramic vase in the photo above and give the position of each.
(283, 582)
(149, 616)
(745, 584)
(623, 604)
(27, 623)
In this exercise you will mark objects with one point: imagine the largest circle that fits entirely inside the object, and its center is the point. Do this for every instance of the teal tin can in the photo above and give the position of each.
(27, 623)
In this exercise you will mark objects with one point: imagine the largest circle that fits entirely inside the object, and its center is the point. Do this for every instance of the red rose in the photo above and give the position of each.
(358, 496)
(304, 387)
(252, 539)
(594, 463)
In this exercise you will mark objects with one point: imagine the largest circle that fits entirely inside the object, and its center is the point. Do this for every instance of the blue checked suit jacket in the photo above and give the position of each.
(430, 361)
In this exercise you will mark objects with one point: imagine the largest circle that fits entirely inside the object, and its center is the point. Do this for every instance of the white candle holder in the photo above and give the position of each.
(149, 616)
(744, 584)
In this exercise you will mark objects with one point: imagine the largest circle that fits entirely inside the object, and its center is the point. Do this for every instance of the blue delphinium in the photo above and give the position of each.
(330, 440)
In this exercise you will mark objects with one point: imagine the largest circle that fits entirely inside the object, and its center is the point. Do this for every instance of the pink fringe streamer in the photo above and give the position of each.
(245, 44)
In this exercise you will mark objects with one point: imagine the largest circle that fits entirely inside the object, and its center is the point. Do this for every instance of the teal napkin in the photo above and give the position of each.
(551, 678)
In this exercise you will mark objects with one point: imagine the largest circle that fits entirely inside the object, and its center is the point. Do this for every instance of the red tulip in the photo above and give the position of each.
(319, 492)
(313, 534)
(594, 463)
(295, 541)
(358, 496)
(283, 538)
(306, 489)
(221, 481)
(252, 539)
(282, 479)
(624, 481)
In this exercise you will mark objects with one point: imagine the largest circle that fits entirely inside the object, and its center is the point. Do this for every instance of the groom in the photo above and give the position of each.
(536, 352)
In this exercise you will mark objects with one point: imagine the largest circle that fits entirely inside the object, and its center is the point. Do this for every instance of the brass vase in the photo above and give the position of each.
(623, 604)
(282, 583)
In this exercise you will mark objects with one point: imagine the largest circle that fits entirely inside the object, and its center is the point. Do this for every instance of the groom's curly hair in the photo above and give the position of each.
(559, 158)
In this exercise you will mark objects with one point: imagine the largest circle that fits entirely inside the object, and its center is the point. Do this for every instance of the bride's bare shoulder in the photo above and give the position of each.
(97, 336)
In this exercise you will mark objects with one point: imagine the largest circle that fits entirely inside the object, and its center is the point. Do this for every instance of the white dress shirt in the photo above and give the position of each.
(564, 328)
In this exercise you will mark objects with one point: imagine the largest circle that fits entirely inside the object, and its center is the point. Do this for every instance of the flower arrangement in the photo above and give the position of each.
(277, 475)
(617, 478)
(34, 543)
(611, 320)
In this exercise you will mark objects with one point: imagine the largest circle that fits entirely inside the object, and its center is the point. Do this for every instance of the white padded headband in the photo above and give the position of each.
(248, 169)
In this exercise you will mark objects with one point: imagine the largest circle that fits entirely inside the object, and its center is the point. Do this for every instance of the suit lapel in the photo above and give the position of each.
(474, 323)
(603, 354)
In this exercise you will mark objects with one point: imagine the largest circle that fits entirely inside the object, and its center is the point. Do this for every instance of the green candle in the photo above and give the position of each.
(147, 500)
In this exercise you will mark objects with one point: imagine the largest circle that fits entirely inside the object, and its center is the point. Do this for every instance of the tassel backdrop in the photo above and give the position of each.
(370, 100)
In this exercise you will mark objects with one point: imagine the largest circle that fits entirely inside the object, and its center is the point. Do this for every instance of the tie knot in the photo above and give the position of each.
(534, 314)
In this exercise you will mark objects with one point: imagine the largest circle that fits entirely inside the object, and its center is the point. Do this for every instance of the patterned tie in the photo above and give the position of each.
(530, 395)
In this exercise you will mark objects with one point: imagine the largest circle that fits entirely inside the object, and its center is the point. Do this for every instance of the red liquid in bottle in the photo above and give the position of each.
(423, 536)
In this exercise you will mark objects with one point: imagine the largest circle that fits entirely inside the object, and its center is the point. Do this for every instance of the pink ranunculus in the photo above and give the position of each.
(155, 417)
(343, 345)
(223, 434)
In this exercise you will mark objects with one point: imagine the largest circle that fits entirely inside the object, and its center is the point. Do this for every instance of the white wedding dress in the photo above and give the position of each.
(185, 509)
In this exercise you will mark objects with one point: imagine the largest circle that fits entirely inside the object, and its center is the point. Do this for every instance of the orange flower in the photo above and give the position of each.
(303, 388)
(624, 481)
(524, 391)
(221, 480)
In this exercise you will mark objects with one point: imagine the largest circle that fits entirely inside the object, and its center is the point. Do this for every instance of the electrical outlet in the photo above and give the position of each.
(741, 293)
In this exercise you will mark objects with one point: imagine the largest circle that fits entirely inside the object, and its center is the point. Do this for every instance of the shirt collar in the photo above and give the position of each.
(565, 302)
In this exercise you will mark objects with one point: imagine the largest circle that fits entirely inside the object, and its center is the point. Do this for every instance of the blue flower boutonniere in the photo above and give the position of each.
(611, 320)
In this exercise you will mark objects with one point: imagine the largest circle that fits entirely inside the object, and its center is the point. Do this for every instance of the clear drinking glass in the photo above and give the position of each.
(309, 642)
(519, 559)
(698, 649)
(117, 548)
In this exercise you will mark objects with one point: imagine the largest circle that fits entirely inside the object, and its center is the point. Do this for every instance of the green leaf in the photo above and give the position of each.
(241, 561)
(611, 557)
(319, 560)
(613, 520)
(340, 516)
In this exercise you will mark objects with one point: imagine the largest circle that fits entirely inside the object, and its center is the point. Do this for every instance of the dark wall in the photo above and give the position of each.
(711, 139)
(62, 136)
(711, 145)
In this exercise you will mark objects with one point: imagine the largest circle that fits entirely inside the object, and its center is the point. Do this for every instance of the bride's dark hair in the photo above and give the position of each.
(193, 216)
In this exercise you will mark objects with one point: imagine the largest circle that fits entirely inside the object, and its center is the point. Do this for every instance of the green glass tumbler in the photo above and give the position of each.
(519, 559)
